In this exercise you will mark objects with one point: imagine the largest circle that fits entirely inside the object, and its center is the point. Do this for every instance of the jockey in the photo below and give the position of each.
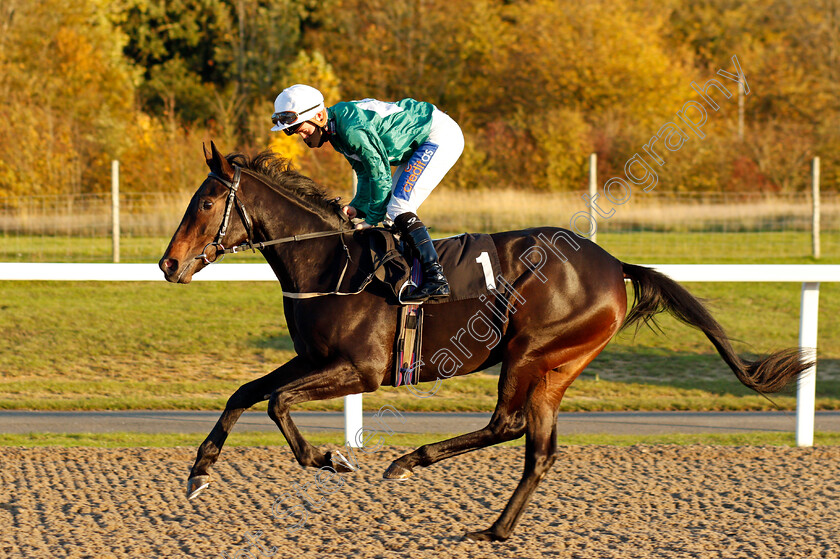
(422, 141)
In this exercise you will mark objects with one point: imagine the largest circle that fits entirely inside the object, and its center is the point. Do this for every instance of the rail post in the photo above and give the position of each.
(352, 419)
(806, 388)
(815, 208)
(115, 210)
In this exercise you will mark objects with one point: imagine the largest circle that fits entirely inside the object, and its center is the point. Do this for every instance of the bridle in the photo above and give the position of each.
(233, 201)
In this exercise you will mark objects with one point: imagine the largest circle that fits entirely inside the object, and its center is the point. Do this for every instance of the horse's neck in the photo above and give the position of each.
(297, 264)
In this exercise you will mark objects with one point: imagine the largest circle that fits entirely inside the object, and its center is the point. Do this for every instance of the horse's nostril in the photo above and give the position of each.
(168, 265)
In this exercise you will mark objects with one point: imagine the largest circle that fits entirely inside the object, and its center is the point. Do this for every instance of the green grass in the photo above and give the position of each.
(775, 247)
(146, 345)
(38, 248)
(251, 439)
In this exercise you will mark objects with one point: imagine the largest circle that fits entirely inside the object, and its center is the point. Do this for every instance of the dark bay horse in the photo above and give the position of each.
(566, 300)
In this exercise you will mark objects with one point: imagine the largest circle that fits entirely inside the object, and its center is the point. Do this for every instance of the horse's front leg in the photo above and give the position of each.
(246, 396)
(339, 378)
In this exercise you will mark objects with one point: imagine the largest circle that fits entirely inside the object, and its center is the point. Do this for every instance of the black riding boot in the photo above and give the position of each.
(415, 234)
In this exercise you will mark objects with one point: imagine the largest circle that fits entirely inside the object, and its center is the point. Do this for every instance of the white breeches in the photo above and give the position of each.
(414, 180)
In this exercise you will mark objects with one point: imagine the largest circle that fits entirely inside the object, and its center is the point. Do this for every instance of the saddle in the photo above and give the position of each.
(471, 264)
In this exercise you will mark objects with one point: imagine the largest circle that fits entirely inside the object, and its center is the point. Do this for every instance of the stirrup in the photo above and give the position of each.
(414, 297)
(427, 292)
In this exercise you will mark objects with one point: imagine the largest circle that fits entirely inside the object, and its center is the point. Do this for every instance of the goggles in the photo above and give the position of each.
(291, 130)
(285, 118)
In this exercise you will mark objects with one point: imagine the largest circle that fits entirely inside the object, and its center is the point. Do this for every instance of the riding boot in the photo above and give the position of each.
(434, 285)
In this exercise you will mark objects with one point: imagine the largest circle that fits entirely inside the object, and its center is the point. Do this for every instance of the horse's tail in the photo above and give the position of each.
(655, 293)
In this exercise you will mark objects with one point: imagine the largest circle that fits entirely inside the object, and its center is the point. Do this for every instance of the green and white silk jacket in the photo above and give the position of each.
(374, 135)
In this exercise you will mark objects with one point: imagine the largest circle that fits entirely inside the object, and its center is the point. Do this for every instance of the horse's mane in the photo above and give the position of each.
(277, 172)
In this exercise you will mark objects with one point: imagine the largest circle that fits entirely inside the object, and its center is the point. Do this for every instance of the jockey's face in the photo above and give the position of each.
(312, 132)
(305, 130)
(312, 135)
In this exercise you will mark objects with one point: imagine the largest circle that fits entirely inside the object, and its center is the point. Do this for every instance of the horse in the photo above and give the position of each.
(571, 302)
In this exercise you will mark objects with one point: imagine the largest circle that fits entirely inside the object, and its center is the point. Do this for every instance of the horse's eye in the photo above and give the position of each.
(206, 205)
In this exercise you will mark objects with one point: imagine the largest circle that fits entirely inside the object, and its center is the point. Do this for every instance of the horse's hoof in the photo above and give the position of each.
(484, 536)
(196, 485)
(395, 471)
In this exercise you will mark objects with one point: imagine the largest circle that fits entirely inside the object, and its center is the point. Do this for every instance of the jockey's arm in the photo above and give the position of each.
(374, 180)
(362, 198)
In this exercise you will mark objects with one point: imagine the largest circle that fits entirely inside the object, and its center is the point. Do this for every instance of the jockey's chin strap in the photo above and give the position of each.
(233, 200)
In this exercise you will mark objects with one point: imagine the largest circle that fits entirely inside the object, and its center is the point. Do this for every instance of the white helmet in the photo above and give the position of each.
(295, 105)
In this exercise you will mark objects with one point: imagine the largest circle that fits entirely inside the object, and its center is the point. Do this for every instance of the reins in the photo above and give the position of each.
(249, 244)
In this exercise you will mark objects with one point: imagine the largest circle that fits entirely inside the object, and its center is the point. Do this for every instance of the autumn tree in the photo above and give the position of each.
(535, 84)
(68, 95)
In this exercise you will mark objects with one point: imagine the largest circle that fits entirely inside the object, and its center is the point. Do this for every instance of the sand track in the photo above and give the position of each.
(598, 502)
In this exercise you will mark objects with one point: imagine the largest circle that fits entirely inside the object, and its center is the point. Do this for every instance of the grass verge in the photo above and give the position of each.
(475, 393)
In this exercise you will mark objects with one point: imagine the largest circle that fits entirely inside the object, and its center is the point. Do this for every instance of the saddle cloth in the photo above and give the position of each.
(470, 262)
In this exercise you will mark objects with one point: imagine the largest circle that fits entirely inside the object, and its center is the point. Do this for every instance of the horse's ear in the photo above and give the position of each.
(207, 155)
(217, 162)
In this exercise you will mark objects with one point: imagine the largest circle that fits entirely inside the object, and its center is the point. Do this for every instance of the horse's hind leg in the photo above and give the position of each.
(245, 396)
(540, 437)
(540, 449)
(502, 427)
(507, 424)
